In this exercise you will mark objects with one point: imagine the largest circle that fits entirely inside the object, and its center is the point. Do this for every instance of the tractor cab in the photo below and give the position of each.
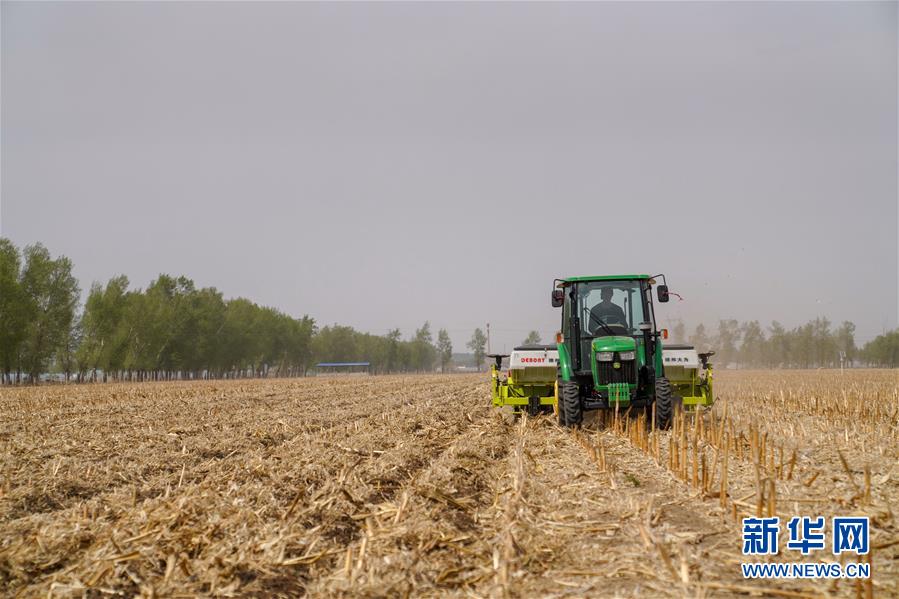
(610, 350)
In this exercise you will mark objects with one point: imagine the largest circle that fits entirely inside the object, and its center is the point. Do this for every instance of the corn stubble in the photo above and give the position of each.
(399, 486)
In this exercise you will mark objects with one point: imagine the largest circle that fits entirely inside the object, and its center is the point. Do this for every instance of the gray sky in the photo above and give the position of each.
(378, 165)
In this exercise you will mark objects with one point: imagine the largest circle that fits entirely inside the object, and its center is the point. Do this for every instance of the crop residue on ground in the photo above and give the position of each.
(374, 486)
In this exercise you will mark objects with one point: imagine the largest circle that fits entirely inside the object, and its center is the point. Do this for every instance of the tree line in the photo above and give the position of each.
(815, 344)
(172, 330)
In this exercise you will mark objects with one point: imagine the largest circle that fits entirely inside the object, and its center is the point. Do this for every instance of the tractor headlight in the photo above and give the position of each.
(604, 356)
(627, 355)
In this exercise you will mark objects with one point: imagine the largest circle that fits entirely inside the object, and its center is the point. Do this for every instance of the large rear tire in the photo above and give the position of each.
(571, 410)
(664, 404)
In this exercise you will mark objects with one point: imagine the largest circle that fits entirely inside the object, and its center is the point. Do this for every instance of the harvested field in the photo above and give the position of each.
(394, 486)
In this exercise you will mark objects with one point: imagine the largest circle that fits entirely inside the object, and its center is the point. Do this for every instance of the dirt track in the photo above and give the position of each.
(389, 486)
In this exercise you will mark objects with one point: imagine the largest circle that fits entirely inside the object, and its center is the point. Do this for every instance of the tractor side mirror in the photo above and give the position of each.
(662, 291)
(558, 297)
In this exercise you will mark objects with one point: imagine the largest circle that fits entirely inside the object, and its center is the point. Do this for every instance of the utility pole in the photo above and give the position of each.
(488, 338)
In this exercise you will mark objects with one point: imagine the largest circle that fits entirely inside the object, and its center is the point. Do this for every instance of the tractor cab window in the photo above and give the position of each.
(610, 307)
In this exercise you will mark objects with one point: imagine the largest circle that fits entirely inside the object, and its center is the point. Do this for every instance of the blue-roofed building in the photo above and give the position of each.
(342, 368)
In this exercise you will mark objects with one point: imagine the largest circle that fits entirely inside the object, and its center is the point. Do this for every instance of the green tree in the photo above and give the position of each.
(240, 344)
(67, 353)
(375, 350)
(160, 325)
(845, 341)
(52, 296)
(423, 349)
(444, 349)
(14, 310)
(393, 352)
(726, 341)
(271, 338)
(336, 343)
(802, 342)
(198, 340)
(883, 350)
(679, 332)
(476, 344)
(299, 346)
(700, 339)
(532, 338)
(752, 349)
(154, 323)
(824, 347)
(103, 336)
(777, 348)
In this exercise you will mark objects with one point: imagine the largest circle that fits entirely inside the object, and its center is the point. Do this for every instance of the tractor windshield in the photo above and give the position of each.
(610, 307)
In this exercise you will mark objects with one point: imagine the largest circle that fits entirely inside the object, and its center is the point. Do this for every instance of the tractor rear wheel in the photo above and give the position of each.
(571, 410)
(664, 403)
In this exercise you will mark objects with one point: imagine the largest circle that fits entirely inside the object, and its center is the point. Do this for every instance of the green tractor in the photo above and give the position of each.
(610, 351)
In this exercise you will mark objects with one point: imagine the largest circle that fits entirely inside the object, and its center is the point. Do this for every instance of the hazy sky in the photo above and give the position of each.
(380, 165)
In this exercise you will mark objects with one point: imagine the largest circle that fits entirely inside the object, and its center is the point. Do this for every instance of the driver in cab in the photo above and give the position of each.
(607, 312)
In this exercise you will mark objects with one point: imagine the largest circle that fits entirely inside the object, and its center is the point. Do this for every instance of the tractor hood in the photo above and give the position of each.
(617, 343)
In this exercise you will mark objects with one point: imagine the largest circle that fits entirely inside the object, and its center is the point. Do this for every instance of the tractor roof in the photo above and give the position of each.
(604, 278)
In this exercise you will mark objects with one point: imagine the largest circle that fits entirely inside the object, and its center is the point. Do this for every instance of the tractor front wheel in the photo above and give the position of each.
(664, 404)
(571, 410)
